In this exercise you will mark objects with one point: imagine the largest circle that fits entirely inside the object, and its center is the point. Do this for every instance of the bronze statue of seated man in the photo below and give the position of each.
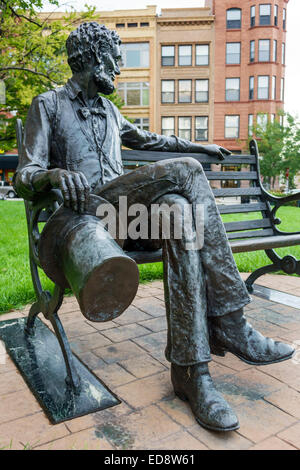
(72, 141)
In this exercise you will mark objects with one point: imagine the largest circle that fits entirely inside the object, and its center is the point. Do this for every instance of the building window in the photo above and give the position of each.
(262, 120)
(264, 15)
(201, 128)
(184, 55)
(272, 118)
(276, 15)
(185, 128)
(233, 53)
(135, 55)
(184, 91)
(168, 55)
(273, 87)
(234, 18)
(284, 19)
(232, 127)
(168, 126)
(264, 50)
(132, 25)
(252, 16)
(202, 54)
(232, 89)
(282, 90)
(263, 87)
(252, 51)
(251, 88)
(250, 125)
(283, 53)
(201, 91)
(168, 91)
(134, 94)
(275, 50)
(144, 25)
(120, 25)
(142, 123)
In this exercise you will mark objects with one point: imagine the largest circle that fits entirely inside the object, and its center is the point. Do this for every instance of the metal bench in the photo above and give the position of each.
(247, 235)
(250, 235)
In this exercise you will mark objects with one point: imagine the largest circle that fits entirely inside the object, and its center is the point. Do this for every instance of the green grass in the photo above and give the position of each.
(15, 281)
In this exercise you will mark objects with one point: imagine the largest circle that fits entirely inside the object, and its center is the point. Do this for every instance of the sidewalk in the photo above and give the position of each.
(127, 354)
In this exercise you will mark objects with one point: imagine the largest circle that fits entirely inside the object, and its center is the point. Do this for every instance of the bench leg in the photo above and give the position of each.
(72, 378)
(33, 313)
(289, 264)
(49, 304)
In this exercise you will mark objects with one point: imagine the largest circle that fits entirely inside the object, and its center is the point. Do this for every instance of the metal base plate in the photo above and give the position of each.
(40, 361)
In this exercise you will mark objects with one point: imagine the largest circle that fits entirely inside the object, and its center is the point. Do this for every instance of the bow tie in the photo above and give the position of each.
(86, 112)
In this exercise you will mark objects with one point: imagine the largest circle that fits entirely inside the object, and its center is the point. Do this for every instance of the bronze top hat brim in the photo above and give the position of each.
(77, 251)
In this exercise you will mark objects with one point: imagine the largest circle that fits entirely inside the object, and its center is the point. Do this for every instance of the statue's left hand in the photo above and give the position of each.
(216, 151)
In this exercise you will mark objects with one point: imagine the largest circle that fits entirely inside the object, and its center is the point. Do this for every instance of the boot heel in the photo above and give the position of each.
(217, 350)
(180, 395)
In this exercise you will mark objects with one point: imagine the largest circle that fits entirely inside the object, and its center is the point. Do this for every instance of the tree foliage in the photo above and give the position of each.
(279, 147)
(33, 58)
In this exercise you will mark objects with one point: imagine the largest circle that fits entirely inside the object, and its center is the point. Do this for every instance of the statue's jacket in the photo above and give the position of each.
(62, 132)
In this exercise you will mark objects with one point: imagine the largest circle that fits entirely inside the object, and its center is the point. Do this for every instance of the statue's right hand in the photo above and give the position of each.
(74, 187)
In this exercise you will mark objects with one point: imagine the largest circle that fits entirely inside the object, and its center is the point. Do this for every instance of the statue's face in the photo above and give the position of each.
(106, 69)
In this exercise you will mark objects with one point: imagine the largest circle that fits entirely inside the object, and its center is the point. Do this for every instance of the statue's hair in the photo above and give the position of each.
(84, 41)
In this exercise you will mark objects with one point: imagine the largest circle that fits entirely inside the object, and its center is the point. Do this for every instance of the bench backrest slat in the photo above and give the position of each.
(235, 192)
(252, 234)
(150, 156)
(241, 208)
(247, 224)
(231, 175)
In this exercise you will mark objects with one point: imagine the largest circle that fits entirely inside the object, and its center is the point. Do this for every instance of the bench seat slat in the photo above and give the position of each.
(267, 243)
(150, 156)
(229, 192)
(142, 257)
(239, 246)
(247, 224)
(239, 208)
(231, 175)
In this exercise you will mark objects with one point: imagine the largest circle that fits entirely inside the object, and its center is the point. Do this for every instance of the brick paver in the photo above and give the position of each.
(128, 355)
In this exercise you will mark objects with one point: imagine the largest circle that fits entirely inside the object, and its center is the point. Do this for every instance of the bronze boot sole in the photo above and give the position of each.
(219, 350)
(183, 397)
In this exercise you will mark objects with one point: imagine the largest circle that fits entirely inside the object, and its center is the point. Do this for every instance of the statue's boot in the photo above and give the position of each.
(232, 333)
(194, 384)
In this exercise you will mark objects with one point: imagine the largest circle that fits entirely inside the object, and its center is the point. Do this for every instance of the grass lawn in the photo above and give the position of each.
(15, 280)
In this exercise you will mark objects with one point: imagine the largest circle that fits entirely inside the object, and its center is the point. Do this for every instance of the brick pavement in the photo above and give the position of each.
(127, 354)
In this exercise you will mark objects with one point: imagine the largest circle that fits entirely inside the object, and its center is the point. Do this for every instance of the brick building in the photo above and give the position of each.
(205, 74)
(250, 40)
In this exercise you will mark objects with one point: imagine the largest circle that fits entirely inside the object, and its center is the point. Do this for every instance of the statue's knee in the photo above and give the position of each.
(173, 199)
(191, 163)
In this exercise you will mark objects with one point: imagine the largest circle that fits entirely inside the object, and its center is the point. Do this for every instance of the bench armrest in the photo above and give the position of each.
(278, 202)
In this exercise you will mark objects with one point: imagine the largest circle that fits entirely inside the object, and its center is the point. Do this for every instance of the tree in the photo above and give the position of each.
(279, 147)
(33, 58)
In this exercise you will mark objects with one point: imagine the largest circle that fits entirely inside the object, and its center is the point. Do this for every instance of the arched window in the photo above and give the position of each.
(234, 18)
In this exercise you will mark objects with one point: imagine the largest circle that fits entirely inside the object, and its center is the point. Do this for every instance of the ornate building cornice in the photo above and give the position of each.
(185, 21)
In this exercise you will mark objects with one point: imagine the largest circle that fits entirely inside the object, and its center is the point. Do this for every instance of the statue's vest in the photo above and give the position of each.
(74, 149)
